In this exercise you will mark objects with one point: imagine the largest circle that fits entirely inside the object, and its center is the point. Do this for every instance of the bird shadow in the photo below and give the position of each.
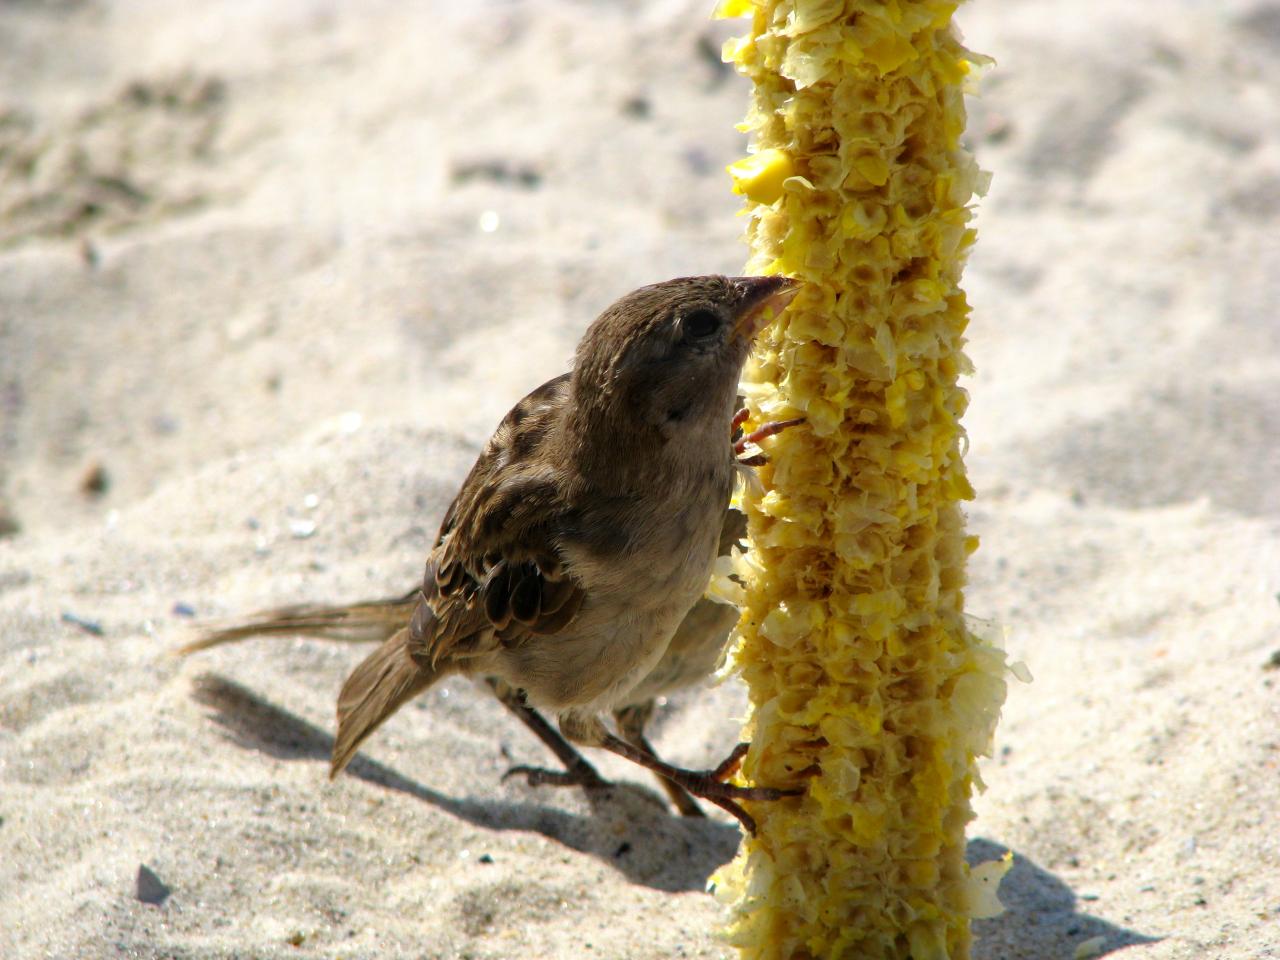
(655, 848)
(1042, 917)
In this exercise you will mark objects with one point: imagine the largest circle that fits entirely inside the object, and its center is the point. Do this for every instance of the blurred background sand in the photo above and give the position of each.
(269, 274)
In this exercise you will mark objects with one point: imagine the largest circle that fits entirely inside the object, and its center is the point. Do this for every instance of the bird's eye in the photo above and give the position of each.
(700, 324)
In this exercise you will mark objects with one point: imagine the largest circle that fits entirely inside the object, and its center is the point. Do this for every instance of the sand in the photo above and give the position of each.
(269, 273)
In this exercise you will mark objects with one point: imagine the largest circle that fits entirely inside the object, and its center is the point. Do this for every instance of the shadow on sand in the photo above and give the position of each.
(1042, 916)
(680, 853)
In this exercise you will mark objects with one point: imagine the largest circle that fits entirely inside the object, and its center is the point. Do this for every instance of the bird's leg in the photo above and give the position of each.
(763, 432)
(631, 722)
(577, 773)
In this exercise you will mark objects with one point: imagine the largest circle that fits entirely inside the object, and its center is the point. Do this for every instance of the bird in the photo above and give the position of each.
(584, 534)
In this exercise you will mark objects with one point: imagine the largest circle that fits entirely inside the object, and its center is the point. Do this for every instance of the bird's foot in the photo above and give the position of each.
(725, 795)
(583, 775)
(741, 442)
(710, 785)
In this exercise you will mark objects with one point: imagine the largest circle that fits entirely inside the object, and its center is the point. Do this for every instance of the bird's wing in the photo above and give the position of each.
(496, 575)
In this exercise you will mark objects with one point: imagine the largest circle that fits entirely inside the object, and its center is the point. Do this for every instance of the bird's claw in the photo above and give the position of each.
(741, 442)
(728, 801)
(730, 764)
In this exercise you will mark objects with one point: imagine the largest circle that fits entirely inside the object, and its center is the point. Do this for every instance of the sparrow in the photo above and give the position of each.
(692, 655)
(585, 533)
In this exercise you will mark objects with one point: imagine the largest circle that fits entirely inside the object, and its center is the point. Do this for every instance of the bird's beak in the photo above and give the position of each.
(763, 298)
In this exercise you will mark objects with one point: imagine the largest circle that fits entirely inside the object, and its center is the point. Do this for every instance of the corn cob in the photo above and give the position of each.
(865, 682)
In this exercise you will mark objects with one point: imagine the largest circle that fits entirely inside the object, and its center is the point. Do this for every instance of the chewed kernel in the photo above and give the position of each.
(728, 9)
(759, 177)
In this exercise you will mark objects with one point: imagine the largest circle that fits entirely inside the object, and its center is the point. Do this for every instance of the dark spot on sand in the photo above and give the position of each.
(150, 888)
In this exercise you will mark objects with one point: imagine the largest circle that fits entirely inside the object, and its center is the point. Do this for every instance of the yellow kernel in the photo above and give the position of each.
(759, 176)
(874, 169)
(727, 9)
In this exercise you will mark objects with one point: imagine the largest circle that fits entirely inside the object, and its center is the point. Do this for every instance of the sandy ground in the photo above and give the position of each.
(269, 273)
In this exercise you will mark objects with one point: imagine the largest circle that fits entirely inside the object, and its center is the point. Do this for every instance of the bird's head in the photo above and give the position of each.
(666, 358)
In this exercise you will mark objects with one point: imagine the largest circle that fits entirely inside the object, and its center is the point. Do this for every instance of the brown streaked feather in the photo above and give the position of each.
(553, 621)
(526, 595)
(384, 681)
(557, 590)
(495, 575)
(449, 578)
(355, 623)
(496, 591)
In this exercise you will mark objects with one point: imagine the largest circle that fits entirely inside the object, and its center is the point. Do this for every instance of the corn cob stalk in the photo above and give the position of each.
(864, 681)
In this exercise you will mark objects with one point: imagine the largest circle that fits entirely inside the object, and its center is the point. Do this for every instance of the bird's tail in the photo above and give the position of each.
(385, 681)
(365, 622)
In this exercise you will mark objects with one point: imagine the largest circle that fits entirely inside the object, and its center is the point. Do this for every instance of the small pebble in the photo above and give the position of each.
(95, 481)
(89, 254)
(484, 857)
(302, 529)
(637, 106)
(151, 889)
(164, 425)
(14, 578)
(88, 626)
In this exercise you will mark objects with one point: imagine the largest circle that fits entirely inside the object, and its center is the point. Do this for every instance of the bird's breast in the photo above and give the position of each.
(657, 550)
